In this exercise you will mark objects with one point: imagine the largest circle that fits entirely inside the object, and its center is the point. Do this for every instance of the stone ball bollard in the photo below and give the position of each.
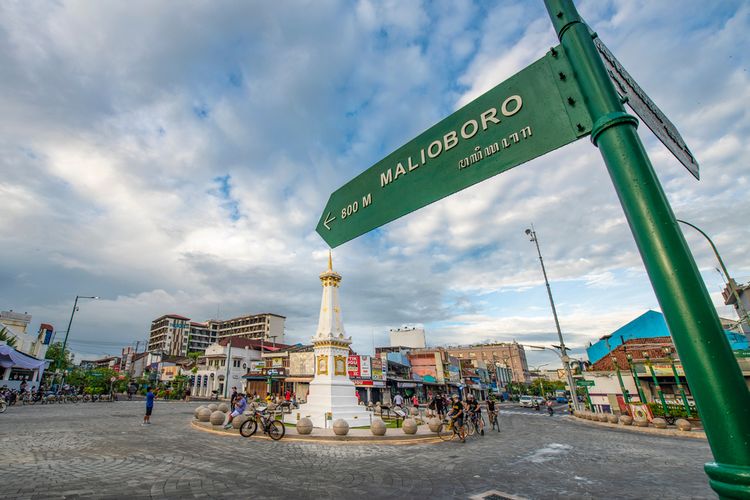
(612, 418)
(683, 425)
(640, 422)
(409, 426)
(603, 417)
(213, 407)
(223, 407)
(238, 421)
(626, 420)
(414, 411)
(434, 424)
(217, 418)
(204, 415)
(340, 427)
(377, 427)
(659, 423)
(197, 410)
(304, 426)
(590, 415)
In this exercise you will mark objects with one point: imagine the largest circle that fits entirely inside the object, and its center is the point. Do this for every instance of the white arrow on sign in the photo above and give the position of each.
(325, 222)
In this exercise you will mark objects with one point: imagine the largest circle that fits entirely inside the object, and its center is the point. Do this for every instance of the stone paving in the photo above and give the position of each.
(100, 450)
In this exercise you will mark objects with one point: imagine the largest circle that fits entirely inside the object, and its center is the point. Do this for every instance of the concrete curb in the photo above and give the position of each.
(328, 439)
(692, 434)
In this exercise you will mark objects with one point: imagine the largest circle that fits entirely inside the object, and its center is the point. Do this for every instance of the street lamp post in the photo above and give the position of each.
(541, 377)
(731, 284)
(67, 332)
(563, 350)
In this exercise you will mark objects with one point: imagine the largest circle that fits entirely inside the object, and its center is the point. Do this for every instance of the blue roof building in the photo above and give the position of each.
(648, 325)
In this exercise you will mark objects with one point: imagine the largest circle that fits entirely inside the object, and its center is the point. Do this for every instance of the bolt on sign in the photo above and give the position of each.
(532, 113)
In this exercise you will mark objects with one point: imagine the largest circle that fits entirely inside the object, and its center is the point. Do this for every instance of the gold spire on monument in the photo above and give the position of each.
(330, 277)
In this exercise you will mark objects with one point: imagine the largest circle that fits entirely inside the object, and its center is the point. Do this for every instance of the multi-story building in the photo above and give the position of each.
(213, 374)
(504, 354)
(407, 336)
(177, 335)
(169, 334)
(17, 325)
(266, 326)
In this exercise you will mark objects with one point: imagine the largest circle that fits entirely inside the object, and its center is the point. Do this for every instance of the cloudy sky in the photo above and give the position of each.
(176, 156)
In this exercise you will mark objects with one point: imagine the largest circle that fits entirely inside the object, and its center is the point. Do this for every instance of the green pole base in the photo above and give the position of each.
(729, 481)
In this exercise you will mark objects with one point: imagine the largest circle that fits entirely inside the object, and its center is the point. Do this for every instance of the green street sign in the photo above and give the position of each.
(530, 114)
(585, 383)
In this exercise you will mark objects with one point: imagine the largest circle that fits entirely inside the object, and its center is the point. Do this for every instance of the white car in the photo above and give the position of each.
(526, 401)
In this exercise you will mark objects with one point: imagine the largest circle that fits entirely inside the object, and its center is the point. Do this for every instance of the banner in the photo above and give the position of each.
(352, 367)
(364, 367)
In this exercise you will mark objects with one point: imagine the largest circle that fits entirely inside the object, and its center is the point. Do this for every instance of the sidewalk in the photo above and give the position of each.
(673, 432)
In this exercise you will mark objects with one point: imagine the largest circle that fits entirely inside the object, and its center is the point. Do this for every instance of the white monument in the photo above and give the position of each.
(332, 394)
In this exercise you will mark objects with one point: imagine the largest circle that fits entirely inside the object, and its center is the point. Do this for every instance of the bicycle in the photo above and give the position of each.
(448, 431)
(494, 423)
(271, 426)
(3, 405)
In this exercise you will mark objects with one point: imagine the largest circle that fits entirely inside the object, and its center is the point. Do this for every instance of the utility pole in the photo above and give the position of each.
(229, 360)
(563, 350)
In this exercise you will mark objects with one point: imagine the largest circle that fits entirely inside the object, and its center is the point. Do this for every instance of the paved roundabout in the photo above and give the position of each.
(101, 451)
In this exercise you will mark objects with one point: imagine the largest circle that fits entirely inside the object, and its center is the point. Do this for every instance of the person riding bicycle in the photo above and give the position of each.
(550, 409)
(492, 413)
(240, 404)
(474, 412)
(457, 416)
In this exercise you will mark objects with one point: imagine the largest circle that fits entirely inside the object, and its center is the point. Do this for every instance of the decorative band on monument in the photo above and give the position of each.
(610, 120)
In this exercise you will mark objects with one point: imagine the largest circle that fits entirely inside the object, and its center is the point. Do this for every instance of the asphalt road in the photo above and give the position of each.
(100, 450)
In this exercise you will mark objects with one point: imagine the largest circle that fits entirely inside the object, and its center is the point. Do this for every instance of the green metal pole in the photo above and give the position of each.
(637, 381)
(679, 383)
(715, 378)
(588, 398)
(657, 387)
(625, 394)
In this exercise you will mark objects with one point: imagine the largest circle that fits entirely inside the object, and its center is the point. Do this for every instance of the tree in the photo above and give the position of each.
(54, 352)
(7, 337)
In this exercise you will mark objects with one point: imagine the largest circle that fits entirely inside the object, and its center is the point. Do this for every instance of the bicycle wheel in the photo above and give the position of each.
(445, 433)
(248, 428)
(276, 430)
(470, 429)
(3, 406)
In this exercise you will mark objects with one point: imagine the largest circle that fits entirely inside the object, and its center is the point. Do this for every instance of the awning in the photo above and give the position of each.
(254, 377)
(9, 357)
(299, 379)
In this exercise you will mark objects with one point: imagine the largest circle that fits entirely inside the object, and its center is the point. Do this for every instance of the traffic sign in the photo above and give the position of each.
(646, 110)
(585, 383)
(532, 113)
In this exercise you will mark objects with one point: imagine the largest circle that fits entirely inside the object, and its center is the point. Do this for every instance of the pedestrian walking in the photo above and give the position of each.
(398, 400)
(187, 395)
(149, 406)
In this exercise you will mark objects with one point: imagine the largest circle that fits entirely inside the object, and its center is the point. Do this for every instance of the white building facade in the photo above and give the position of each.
(407, 336)
(222, 367)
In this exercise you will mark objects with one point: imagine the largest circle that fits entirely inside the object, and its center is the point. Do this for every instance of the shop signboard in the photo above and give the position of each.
(377, 368)
(352, 366)
(364, 367)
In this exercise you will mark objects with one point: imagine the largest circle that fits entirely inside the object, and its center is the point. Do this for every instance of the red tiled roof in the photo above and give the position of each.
(46, 326)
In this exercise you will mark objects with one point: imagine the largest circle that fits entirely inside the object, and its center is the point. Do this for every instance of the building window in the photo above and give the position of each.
(223, 362)
(236, 363)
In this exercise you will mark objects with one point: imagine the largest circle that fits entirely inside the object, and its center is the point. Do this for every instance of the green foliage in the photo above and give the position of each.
(8, 337)
(548, 386)
(675, 410)
(54, 352)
